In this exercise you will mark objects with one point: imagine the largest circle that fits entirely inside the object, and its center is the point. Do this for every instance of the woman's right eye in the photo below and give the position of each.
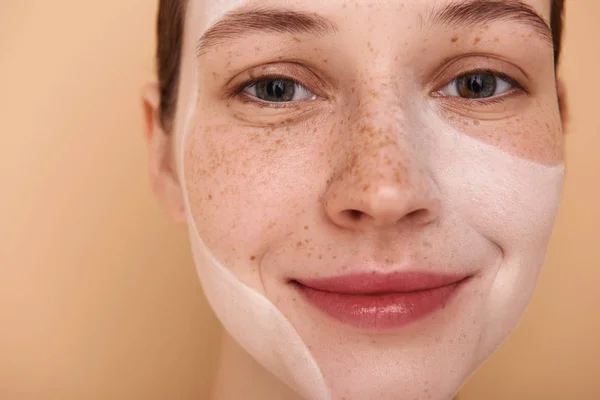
(278, 91)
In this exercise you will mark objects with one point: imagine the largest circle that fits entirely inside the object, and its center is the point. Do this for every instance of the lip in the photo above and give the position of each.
(375, 301)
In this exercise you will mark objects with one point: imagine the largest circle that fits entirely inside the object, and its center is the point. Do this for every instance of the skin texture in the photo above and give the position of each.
(320, 187)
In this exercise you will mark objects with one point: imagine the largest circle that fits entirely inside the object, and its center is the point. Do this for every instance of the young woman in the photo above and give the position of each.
(370, 186)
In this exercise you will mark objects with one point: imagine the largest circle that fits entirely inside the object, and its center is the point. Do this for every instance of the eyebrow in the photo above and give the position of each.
(244, 22)
(458, 14)
(479, 12)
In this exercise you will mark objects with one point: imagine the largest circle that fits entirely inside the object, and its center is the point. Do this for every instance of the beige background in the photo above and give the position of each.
(98, 295)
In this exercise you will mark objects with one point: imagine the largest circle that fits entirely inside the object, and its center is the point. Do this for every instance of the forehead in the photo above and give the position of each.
(202, 14)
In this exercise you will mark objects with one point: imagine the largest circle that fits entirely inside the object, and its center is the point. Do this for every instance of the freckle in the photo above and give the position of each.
(325, 60)
(454, 39)
(210, 196)
(477, 40)
(496, 39)
(252, 258)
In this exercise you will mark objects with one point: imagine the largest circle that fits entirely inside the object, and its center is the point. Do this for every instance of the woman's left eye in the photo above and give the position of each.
(478, 85)
(278, 91)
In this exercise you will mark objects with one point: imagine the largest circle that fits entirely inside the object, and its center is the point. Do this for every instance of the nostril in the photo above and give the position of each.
(354, 215)
(417, 215)
(420, 215)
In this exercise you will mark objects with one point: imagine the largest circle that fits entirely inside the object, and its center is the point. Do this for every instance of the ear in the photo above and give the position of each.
(161, 164)
(561, 90)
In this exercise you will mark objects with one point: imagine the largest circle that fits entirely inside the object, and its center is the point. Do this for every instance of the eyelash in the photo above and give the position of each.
(239, 89)
(490, 100)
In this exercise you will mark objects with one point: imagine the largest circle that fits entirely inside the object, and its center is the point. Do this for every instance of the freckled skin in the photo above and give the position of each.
(324, 187)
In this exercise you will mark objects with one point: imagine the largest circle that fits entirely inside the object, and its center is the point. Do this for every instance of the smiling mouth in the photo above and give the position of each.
(381, 301)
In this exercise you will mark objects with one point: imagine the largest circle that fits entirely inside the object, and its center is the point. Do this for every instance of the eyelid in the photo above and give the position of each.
(490, 71)
(241, 87)
(299, 90)
(295, 72)
(505, 77)
(477, 63)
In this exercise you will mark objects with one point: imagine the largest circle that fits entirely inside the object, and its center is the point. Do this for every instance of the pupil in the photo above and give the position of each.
(477, 86)
(275, 90)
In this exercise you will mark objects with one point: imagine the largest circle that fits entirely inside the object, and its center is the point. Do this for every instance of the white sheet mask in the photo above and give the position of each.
(521, 199)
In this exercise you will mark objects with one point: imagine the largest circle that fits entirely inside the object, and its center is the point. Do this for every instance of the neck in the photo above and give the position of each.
(239, 376)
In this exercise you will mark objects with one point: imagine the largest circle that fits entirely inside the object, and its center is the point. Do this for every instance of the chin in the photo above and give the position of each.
(429, 357)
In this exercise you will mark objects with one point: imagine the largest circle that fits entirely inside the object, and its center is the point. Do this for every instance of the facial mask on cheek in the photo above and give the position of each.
(248, 316)
(511, 201)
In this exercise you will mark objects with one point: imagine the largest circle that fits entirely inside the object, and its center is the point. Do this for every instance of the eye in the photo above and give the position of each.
(278, 91)
(479, 85)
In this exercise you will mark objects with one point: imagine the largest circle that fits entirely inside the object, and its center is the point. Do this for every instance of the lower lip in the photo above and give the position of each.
(381, 311)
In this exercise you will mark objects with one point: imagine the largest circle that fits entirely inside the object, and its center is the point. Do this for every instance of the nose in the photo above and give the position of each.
(381, 187)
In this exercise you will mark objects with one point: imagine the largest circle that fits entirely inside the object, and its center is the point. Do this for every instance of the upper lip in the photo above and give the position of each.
(382, 283)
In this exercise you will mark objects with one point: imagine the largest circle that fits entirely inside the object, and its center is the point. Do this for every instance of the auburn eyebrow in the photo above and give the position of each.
(241, 23)
(470, 14)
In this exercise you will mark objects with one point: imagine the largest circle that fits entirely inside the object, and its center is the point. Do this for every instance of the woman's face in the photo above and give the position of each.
(386, 173)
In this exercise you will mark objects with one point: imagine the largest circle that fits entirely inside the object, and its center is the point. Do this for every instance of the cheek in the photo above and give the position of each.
(217, 172)
(510, 194)
(535, 135)
(510, 198)
(248, 186)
